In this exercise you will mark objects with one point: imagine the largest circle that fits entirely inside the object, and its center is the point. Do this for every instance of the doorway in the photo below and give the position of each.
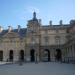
(46, 55)
(11, 55)
(32, 55)
(22, 55)
(58, 56)
(1, 55)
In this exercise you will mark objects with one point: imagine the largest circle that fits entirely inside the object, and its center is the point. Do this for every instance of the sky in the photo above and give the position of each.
(18, 12)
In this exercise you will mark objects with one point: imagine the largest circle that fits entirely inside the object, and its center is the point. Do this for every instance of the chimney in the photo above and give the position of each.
(9, 28)
(1, 29)
(50, 22)
(60, 22)
(72, 22)
(19, 27)
(39, 21)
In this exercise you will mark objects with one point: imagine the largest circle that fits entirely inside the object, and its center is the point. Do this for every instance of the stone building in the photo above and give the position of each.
(38, 42)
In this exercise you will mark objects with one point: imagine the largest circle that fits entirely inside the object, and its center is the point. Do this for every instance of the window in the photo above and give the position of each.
(57, 40)
(46, 32)
(33, 40)
(57, 31)
(46, 39)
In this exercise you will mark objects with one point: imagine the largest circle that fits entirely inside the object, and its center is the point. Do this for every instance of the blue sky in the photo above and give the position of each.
(18, 12)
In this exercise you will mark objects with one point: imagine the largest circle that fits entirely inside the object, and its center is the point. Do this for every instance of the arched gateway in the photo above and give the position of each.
(32, 55)
(58, 55)
(21, 55)
(1, 55)
(46, 55)
(11, 55)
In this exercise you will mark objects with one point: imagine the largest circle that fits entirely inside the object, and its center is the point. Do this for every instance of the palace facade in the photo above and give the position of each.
(38, 42)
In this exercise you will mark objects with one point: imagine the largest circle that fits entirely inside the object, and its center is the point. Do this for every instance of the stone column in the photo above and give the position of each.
(53, 54)
(74, 50)
(5, 55)
(67, 59)
(66, 52)
(71, 51)
(16, 55)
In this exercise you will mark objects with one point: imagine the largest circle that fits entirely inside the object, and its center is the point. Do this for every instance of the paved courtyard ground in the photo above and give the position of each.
(43, 68)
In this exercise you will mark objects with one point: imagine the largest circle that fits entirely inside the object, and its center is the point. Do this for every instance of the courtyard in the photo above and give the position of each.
(42, 68)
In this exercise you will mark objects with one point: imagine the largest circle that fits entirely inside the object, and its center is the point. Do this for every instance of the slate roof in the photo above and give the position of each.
(22, 32)
(54, 26)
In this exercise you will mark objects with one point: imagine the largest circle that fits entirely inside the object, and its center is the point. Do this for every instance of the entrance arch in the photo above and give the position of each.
(46, 55)
(22, 55)
(32, 55)
(1, 55)
(11, 55)
(58, 55)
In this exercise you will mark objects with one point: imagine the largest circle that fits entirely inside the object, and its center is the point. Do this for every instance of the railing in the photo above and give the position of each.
(69, 60)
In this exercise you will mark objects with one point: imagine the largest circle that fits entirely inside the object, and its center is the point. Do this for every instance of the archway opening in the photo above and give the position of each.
(1, 55)
(58, 55)
(11, 55)
(32, 55)
(46, 55)
(22, 55)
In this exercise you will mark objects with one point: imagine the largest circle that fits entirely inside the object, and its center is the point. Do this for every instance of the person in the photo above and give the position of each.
(36, 58)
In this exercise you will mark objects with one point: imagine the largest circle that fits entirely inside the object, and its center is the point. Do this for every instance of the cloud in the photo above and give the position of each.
(31, 9)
